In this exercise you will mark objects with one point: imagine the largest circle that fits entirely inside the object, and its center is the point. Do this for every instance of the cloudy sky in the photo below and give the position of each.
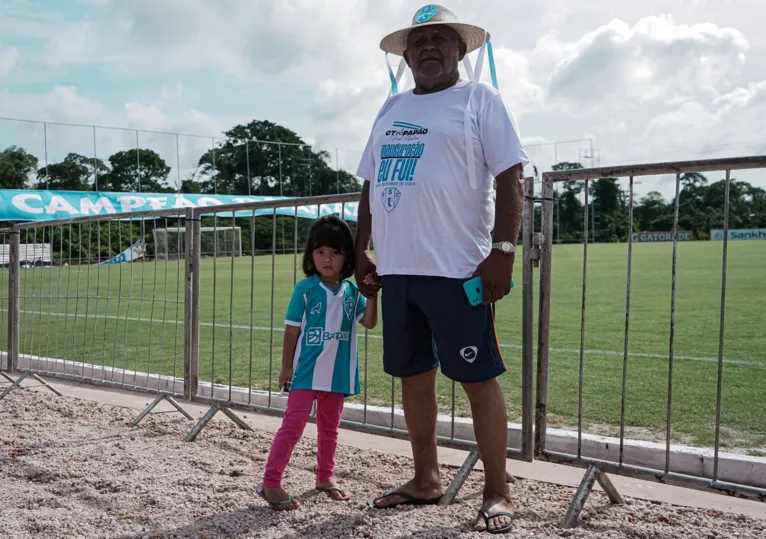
(654, 80)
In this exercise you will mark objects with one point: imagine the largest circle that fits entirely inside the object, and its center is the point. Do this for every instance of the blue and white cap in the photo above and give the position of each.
(474, 37)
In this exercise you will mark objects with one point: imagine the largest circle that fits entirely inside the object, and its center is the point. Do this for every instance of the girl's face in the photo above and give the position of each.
(329, 262)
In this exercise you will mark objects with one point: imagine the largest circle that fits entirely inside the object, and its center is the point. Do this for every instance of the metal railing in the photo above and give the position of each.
(84, 318)
(223, 313)
(743, 482)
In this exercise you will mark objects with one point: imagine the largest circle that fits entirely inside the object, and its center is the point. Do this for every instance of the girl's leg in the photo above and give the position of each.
(299, 405)
(329, 410)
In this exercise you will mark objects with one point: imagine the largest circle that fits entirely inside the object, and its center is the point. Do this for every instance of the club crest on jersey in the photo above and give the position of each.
(348, 306)
(390, 197)
(317, 309)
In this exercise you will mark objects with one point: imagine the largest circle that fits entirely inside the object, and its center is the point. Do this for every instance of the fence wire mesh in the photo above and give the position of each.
(104, 308)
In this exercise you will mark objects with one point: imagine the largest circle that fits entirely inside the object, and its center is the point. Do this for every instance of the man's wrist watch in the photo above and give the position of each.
(504, 247)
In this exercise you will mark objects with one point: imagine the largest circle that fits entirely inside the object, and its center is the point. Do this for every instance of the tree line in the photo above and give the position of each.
(700, 208)
(243, 163)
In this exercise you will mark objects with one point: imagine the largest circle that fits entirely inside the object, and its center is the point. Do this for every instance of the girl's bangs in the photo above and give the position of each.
(329, 236)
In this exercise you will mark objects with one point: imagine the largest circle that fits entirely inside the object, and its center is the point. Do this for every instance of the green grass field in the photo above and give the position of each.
(135, 328)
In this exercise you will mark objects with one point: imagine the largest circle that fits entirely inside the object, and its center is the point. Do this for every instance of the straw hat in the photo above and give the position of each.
(474, 37)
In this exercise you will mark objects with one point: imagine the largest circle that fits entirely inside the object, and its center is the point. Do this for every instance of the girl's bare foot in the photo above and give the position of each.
(333, 490)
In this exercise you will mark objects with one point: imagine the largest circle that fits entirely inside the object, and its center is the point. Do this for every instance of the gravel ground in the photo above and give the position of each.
(72, 468)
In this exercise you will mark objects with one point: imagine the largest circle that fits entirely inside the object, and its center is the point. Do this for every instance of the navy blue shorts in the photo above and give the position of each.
(428, 322)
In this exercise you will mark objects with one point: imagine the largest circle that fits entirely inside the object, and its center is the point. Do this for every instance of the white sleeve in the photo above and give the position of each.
(500, 137)
(366, 169)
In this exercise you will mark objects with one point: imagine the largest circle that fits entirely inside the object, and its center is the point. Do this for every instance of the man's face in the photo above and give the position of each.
(433, 53)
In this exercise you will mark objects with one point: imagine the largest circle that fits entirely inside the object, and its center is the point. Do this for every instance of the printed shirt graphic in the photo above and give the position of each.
(326, 358)
(427, 219)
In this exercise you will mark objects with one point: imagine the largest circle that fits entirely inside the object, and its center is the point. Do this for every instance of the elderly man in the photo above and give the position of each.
(427, 204)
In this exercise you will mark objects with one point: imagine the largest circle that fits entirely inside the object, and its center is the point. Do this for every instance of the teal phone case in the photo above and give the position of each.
(474, 290)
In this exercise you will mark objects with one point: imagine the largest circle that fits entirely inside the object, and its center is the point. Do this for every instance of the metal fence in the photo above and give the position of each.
(697, 469)
(84, 317)
(208, 328)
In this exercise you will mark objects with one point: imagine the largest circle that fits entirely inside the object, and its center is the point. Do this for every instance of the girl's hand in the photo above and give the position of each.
(285, 375)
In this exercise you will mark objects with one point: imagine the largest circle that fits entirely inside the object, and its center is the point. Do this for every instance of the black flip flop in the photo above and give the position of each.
(488, 517)
(409, 499)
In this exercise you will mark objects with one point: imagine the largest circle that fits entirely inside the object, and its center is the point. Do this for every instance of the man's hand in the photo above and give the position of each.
(366, 267)
(285, 375)
(496, 274)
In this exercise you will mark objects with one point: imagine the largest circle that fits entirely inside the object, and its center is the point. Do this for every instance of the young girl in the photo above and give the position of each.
(319, 357)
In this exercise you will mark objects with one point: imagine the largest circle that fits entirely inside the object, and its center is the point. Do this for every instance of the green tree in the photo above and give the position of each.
(136, 171)
(16, 165)
(246, 163)
(568, 206)
(75, 173)
(610, 219)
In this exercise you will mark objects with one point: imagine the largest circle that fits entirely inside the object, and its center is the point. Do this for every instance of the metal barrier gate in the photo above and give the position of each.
(611, 459)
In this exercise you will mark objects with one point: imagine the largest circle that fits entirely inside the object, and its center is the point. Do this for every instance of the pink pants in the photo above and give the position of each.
(299, 403)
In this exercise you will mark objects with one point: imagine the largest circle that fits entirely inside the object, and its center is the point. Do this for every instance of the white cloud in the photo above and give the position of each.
(153, 118)
(8, 58)
(61, 104)
(70, 46)
(654, 59)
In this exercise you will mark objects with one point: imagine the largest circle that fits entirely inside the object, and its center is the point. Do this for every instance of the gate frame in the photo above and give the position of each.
(603, 466)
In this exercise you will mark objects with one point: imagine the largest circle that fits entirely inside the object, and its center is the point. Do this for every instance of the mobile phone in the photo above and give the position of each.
(286, 387)
(474, 290)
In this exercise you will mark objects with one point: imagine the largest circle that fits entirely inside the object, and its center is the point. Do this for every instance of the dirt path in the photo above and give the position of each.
(71, 468)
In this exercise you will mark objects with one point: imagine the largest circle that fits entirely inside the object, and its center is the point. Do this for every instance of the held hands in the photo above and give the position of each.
(496, 274)
(366, 275)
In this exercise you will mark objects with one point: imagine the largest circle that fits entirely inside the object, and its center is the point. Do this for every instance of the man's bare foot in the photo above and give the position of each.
(334, 490)
(276, 495)
(423, 493)
(494, 504)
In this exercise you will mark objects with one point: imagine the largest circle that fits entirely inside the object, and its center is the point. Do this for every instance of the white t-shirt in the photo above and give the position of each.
(427, 217)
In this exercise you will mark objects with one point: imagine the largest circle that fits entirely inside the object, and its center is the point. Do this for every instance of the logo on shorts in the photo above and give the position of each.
(390, 196)
(469, 353)
(314, 336)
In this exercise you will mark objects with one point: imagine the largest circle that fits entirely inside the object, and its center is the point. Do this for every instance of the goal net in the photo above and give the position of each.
(214, 241)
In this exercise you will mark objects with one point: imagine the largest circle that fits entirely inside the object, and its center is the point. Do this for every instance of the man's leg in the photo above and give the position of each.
(467, 347)
(420, 411)
(490, 425)
(408, 353)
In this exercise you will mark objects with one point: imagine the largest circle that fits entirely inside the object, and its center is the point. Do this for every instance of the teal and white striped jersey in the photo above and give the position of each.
(326, 358)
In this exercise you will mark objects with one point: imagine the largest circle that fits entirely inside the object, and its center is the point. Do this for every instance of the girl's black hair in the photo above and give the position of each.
(333, 232)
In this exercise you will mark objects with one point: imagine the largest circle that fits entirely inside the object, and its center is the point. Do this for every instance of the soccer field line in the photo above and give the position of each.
(502, 345)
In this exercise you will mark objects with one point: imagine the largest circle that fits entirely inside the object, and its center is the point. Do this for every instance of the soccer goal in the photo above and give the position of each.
(214, 241)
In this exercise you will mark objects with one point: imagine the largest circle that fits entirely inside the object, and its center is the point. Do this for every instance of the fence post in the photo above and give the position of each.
(191, 305)
(530, 254)
(543, 334)
(14, 309)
